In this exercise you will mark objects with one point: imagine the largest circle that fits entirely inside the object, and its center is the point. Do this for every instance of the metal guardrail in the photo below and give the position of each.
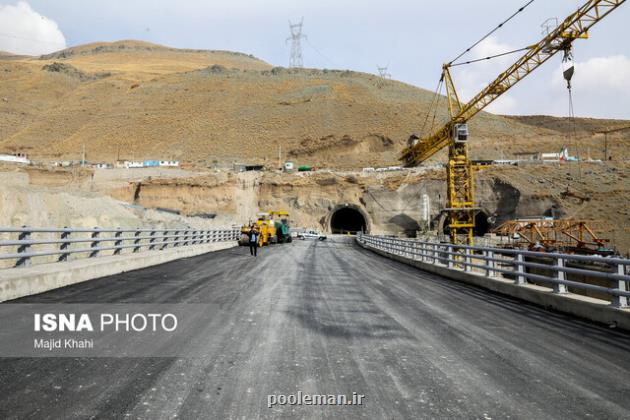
(58, 244)
(516, 265)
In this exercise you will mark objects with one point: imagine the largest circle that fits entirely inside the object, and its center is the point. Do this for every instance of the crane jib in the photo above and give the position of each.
(573, 27)
(454, 134)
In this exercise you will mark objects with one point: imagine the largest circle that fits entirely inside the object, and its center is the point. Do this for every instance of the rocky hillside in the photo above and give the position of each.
(132, 99)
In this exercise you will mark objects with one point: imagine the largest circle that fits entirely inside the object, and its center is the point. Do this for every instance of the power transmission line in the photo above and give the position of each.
(319, 53)
(295, 61)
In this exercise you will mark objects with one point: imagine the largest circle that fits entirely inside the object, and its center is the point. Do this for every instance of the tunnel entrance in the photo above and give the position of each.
(482, 224)
(347, 219)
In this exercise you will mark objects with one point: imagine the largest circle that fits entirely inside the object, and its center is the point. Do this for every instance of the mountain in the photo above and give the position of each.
(135, 99)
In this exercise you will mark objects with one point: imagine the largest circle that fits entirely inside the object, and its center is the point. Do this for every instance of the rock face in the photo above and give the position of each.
(397, 202)
(392, 203)
(388, 203)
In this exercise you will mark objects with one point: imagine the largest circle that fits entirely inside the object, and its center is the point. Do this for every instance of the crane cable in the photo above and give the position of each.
(568, 71)
(574, 134)
(491, 32)
(437, 103)
(489, 57)
(434, 100)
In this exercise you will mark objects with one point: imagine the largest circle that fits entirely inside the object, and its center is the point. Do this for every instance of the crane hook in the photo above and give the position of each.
(569, 71)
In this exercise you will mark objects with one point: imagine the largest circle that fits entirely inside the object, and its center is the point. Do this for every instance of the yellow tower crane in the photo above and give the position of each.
(454, 134)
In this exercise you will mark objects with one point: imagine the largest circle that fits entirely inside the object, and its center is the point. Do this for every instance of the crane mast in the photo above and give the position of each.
(454, 134)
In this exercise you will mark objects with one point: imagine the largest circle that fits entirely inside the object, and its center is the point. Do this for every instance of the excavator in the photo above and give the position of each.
(454, 134)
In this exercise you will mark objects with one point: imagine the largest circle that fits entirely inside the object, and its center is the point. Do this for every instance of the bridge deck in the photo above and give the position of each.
(329, 318)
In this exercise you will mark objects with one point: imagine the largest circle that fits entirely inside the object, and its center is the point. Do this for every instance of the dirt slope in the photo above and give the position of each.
(131, 99)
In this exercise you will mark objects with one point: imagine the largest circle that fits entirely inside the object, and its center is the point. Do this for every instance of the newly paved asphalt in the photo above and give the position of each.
(330, 318)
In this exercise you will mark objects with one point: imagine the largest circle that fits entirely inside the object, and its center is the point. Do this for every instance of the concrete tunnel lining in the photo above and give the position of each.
(348, 218)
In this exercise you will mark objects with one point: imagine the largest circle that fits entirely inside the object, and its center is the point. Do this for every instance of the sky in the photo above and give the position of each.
(412, 37)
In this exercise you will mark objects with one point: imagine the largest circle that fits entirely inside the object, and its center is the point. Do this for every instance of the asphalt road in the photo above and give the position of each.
(330, 318)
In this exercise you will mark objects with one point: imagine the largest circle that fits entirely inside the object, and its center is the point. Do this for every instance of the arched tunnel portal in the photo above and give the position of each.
(348, 218)
(482, 223)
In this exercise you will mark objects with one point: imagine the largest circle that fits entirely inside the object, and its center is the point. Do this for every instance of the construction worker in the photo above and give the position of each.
(253, 241)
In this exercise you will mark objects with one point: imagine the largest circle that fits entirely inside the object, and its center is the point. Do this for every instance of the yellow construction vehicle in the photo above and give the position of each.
(265, 228)
(454, 134)
(272, 227)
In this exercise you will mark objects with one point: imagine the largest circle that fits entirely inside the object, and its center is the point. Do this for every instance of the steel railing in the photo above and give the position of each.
(518, 266)
(26, 245)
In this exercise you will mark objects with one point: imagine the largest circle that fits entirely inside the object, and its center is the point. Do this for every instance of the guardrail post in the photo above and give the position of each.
(434, 253)
(449, 256)
(176, 238)
(622, 286)
(152, 240)
(165, 235)
(64, 245)
(489, 263)
(520, 270)
(118, 242)
(136, 241)
(561, 275)
(467, 260)
(24, 248)
(94, 243)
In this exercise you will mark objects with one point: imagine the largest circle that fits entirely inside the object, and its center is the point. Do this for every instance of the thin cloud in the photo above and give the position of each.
(599, 74)
(472, 78)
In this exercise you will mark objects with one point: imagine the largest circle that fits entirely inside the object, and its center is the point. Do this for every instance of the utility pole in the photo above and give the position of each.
(606, 133)
(280, 156)
(295, 61)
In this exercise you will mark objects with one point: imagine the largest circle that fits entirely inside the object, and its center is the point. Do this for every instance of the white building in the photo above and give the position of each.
(133, 164)
(17, 158)
(169, 163)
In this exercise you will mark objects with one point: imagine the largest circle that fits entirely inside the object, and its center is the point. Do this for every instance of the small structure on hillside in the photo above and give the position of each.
(133, 164)
(15, 158)
(246, 167)
(169, 163)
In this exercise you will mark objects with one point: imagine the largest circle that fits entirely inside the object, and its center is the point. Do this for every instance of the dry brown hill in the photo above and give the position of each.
(138, 100)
